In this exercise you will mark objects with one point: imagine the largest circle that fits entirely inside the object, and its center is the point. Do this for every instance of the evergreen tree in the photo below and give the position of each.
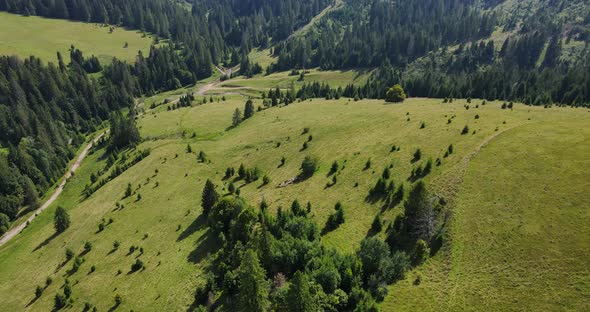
(299, 296)
(253, 289)
(236, 118)
(209, 197)
(248, 109)
(61, 220)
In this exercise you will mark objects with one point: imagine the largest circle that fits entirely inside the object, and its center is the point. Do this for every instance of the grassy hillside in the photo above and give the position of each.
(21, 36)
(519, 235)
(284, 80)
(165, 221)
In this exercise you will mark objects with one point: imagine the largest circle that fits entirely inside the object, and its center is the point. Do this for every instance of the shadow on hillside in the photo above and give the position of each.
(206, 244)
(191, 229)
(32, 301)
(371, 232)
(114, 307)
(46, 241)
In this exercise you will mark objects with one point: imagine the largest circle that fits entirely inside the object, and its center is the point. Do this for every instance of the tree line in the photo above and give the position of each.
(278, 262)
(44, 112)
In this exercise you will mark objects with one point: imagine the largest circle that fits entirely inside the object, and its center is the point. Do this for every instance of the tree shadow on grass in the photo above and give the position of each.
(197, 224)
(46, 241)
(371, 232)
(114, 307)
(206, 244)
(32, 301)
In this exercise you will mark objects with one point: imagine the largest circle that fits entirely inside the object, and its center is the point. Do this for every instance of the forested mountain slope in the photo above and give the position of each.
(532, 51)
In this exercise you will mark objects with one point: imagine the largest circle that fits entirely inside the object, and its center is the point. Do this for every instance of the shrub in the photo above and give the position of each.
(69, 254)
(189, 148)
(265, 180)
(77, 263)
(92, 269)
(477, 116)
(304, 147)
(283, 161)
(128, 191)
(368, 164)
(421, 252)
(116, 245)
(422, 125)
(395, 94)
(59, 301)
(334, 167)
(309, 166)
(38, 291)
(465, 130)
(138, 265)
(335, 219)
(202, 157)
(118, 300)
(417, 155)
(48, 281)
(67, 290)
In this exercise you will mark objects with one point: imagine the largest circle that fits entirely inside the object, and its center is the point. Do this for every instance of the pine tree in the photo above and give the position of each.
(299, 297)
(209, 197)
(61, 220)
(237, 117)
(253, 289)
(248, 109)
(296, 209)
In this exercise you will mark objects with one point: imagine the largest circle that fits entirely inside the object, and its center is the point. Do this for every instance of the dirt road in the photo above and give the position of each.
(17, 229)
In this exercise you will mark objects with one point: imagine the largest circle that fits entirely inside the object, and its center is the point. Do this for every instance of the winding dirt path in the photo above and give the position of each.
(448, 183)
(17, 229)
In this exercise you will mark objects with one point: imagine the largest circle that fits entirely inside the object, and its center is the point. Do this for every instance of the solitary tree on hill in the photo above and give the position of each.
(395, 94)
(61, 220)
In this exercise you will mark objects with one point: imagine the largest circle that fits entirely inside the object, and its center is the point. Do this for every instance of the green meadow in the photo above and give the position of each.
(495, 219)
(20, 36)
(285, 80)
(518, 235)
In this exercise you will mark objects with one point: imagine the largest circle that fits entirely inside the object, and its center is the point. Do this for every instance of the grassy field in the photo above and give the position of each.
(519, 234)
(165, 221)
(262, 57)
(21, 36)
(284, 80)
